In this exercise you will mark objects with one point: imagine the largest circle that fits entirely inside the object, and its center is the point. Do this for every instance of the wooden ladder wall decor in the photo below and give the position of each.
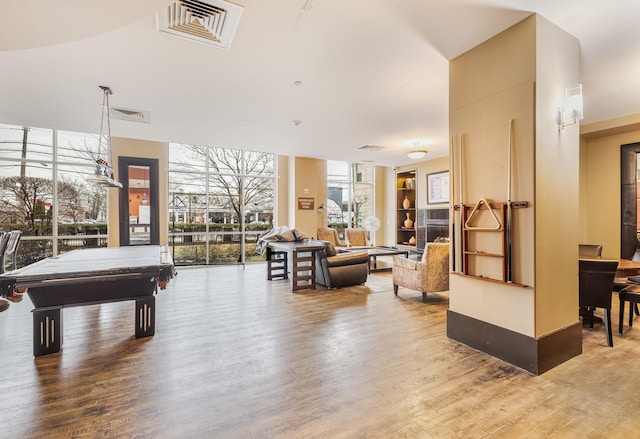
(498, 212)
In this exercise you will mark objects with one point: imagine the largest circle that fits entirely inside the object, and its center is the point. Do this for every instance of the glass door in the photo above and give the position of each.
(138, 201)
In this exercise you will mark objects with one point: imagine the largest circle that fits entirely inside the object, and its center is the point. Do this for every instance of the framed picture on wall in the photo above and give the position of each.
(438, 188)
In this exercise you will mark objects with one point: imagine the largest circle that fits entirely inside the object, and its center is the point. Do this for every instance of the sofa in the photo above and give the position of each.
(336, 270)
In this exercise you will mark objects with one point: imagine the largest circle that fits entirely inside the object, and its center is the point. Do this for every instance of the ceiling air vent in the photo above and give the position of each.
(129, 115)
(213, 22)
(369, 148)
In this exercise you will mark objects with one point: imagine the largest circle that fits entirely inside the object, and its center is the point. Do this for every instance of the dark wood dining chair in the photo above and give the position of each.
(589, 250)
(629, 294)
(596, 288)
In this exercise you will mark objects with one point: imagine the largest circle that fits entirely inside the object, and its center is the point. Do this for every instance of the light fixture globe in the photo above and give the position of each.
(417, 154)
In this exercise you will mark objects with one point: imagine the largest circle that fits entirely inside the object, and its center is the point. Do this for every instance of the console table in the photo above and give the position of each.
(303, 261)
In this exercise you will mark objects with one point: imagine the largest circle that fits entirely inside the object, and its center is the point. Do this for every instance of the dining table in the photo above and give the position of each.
(626, 267)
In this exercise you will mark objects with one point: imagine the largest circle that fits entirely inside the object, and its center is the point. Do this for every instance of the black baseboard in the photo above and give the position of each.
(533, 355)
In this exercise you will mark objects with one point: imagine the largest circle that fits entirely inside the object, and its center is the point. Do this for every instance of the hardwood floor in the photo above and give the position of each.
(236, 356)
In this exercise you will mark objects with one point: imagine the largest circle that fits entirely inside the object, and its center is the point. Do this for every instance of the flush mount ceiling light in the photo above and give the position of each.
(103, 173)
(417, 154)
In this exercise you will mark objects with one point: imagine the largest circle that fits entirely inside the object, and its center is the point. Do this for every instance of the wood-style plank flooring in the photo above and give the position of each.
(236, 356)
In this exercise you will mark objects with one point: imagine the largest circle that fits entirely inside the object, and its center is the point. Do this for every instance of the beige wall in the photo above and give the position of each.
(557, 183)
(520, 74)
(145, 149)
(600, 180)
(380, 202)
(308, 179)
(281, 206)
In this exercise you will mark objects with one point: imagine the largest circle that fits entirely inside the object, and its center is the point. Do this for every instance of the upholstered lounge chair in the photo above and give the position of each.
(331, 235)
(429, 275)
(336, 270)
(356, 237)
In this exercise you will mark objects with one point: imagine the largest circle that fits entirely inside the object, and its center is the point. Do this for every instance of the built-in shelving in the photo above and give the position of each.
(406, 209)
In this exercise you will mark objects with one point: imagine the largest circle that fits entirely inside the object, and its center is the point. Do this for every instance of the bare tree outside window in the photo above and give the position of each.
(236, 179)
(226, 193)
(24, 199)
(70, 202)
(34, 161)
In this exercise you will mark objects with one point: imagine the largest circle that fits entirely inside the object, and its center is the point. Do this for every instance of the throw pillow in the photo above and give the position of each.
(330, 250)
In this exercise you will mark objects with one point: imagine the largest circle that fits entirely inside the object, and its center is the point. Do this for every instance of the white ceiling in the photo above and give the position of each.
(373, 72)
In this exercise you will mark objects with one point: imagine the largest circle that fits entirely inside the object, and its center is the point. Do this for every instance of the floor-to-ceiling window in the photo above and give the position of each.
(350, 194)
(220, 201)
(44, 193)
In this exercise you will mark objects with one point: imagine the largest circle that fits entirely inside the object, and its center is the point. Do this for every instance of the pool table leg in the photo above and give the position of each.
(145, 316)
(47, 330)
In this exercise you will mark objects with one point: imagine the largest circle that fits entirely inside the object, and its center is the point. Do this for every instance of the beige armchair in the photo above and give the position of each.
(331, 235)
(356, 237)
(429, 275)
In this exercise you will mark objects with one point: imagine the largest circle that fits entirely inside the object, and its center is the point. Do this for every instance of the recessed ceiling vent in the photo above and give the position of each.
(129, 115)
(369, 148)
(213, 22)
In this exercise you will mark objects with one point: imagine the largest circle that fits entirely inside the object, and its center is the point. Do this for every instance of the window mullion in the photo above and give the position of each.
(54, 198)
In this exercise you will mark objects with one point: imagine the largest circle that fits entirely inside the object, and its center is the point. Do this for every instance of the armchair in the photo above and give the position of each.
(335, 270)
(429, 275)
(356, 237)
(331, 235)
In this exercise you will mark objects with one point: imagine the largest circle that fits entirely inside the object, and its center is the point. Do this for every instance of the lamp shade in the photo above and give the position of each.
(573, 103)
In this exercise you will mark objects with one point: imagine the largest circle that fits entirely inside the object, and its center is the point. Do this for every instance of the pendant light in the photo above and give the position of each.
(103, 173)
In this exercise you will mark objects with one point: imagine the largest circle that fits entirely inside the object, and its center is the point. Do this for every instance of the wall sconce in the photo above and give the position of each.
(417, 154)
(322, 208)
(572, 111)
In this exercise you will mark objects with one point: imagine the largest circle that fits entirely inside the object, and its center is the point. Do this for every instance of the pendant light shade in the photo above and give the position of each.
(103, 172)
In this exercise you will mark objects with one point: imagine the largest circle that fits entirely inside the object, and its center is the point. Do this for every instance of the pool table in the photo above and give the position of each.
(91, 276)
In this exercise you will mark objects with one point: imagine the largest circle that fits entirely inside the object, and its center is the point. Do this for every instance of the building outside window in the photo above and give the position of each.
(350, 194)
(220, 201)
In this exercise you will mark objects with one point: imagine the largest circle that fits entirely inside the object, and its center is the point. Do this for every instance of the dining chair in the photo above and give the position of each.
(590, 250)
(4, 241)
(596, 288)
(629, 294)
(10, 249)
